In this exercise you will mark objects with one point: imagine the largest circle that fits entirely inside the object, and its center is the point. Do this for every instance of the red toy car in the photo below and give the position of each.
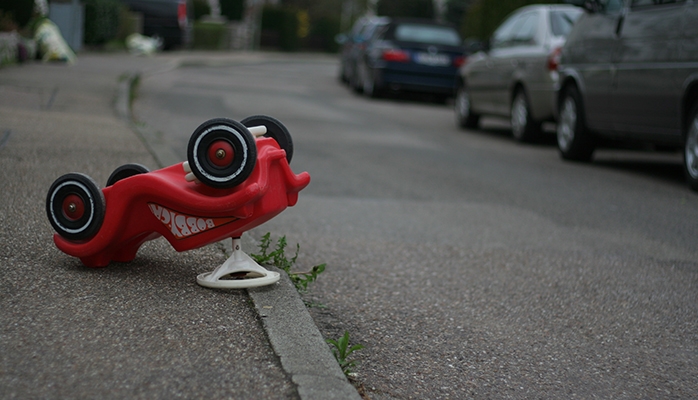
(234, 180)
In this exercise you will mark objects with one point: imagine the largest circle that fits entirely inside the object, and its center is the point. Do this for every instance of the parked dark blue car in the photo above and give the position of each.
(411, 55)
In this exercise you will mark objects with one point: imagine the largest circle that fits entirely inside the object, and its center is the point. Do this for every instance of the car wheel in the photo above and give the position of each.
(356, 79)
(275, 130)
(126, 171)
(369, 86)
(690, 155)
(465, 118)
(222, 153)
(573, 139)
(523, 127)
(75, 206)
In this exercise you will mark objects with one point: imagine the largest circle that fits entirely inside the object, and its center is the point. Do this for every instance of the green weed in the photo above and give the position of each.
(341, 351)
(278, 258)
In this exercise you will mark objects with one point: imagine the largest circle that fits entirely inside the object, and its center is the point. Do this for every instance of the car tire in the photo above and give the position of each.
(369, 85)
(690, 154)
(126, 171)
(574, 141)
(465, 118)
(275, 130)
(222, 153)
(523, 127)
(75, 207)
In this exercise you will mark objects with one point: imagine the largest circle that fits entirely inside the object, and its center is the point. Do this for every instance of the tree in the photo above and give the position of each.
(405, 8)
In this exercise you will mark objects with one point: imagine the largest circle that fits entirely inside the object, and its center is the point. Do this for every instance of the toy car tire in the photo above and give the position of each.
(75, 206)
(275, 130)
(126, 171)
(222, 153)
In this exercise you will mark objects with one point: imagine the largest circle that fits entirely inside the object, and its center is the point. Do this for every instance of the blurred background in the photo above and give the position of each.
(283, 25)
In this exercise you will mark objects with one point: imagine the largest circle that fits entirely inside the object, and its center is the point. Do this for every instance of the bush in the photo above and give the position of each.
(19, 11)
(101, 21)
(406, 8)
(232, 9)
(282, 24)
(323, 32)
(209, 36)
(200, 8)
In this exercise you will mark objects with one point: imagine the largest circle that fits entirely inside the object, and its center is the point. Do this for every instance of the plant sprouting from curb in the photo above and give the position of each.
(279, 259)
(341, 351)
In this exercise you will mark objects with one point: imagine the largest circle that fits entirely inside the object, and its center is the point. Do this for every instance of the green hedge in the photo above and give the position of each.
(19, 11)
(280, 27)
(209, 36)
(232, 9)
(101, 21)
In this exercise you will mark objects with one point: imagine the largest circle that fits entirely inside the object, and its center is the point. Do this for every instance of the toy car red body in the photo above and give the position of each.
(231, 183)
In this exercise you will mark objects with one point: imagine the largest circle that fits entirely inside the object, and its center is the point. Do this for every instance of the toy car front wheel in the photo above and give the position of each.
(275, 130)
(75, 206)
(222, 153)
(126, 171)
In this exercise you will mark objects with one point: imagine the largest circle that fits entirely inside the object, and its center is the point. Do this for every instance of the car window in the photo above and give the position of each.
(431, 34)
(561, 22)
(526, 30)
(642, 3)
(611, 6)
(504, 34)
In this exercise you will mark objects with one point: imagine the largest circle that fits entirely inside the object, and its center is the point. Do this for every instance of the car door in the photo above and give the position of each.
(482, 78)
(589, 51)
(507, 60)
(645, 97)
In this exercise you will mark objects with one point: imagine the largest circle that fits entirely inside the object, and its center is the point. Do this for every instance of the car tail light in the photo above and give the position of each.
(459, 61)
(554, 59)
(182, 13)
(396, 55)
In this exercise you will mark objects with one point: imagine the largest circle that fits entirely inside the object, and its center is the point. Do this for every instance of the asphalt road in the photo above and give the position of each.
(466, 264)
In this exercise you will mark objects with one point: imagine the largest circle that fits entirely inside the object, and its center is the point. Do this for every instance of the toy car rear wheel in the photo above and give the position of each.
(75, 206)
(275, 130)
(222, 153)
(126, 171)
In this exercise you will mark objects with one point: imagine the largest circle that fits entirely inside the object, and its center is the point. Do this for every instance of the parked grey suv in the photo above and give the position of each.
(629, 72)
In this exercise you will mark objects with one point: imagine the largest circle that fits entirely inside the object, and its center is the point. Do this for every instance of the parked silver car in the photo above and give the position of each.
(516, 76)
(629, 72)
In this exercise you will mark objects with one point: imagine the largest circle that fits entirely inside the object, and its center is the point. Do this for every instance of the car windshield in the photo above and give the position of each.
(561, 21)
(427, 34)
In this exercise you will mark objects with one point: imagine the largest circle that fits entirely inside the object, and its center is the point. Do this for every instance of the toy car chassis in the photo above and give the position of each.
(236, 177)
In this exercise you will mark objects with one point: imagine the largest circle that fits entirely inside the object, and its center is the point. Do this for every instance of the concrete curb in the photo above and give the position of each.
(304, 354)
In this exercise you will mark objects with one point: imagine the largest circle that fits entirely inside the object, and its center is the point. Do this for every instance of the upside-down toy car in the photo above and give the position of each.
(236, 177)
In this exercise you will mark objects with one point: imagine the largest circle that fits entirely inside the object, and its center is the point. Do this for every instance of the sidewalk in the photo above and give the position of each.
(144, 329)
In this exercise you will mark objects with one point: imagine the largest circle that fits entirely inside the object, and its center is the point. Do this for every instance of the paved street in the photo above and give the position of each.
(466, 264)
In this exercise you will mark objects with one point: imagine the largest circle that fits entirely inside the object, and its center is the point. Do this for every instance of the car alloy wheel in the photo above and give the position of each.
(464, 116)
(691, 151)
(522, 127)
(573, 140)
(75, 206)
(222, 153)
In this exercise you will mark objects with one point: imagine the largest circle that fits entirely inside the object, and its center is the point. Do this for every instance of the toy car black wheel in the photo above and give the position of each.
(222, 153)
(126, 171)
(75, 206)
(275, 130)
